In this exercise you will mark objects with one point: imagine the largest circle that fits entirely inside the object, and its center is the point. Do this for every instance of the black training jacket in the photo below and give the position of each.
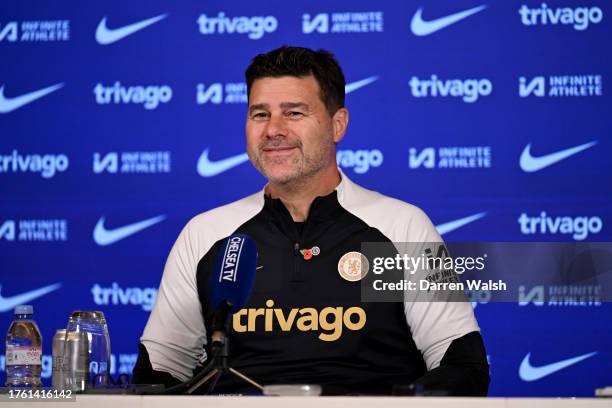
(305, 321)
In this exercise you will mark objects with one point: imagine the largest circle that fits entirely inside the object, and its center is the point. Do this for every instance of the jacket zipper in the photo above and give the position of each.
(297, 276)
(298, 257)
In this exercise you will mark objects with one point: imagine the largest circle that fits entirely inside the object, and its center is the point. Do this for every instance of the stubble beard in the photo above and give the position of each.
(302, 168)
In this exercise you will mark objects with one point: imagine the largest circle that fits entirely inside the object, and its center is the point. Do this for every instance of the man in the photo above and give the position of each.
(305, 321)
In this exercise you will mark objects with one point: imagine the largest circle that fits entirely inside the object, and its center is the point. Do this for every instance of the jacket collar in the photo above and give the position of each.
(323, 208)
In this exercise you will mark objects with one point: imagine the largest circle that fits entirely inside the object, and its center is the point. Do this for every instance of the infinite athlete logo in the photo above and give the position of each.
(450, 157)
(560, 295)
(561, 86)
(218, 93)
(44, 230)
(132, 162)
(35, 31)
(330, 321)
(343, 23)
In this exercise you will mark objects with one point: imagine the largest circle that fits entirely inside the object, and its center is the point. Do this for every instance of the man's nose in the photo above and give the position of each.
(276, 127)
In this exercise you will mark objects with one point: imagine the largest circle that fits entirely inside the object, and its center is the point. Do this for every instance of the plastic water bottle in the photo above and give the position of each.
(23, 350)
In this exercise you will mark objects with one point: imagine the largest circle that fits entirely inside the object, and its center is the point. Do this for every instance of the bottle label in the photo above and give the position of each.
(23, 355)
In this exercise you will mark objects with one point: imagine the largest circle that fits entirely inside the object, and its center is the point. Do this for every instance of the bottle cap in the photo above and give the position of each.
(24, 310)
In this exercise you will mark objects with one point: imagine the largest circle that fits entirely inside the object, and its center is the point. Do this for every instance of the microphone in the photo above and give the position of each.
(231, 282)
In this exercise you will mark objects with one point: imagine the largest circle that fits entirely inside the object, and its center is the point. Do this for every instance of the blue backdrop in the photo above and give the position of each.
(489, 116)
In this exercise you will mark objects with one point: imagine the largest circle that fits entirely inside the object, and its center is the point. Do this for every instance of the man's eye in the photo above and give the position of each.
(259, 115)
(294, 114)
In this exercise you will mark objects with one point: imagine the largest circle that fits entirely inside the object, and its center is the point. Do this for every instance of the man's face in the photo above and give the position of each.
(290, 135)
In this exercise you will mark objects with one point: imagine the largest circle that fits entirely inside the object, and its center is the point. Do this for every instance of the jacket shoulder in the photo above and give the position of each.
(398, 220)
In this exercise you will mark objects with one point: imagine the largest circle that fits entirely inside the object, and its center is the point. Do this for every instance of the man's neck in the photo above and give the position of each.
(298, 196)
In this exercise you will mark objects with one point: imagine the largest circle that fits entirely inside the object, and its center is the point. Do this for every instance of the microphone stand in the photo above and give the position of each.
(220, 354)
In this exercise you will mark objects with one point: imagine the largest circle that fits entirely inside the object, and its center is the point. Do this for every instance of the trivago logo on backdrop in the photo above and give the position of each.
(253, 26)
(578, 228)
(115, 295)
(469, 90)
(149, 96)
(361, 161)
(48, 165)
(578, 17)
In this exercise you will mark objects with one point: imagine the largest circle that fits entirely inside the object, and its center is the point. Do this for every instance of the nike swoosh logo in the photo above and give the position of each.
(353, 86)
(527, 372)
(105, 35)
(9, 303)
(530, 164)
(103, 236)
(10, 104)
(207, 168)
(455, 224)
(422, 28)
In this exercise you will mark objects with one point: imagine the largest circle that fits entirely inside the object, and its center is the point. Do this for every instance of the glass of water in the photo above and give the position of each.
(86, 351)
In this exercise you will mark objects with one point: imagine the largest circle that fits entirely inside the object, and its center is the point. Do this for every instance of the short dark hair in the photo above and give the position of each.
(301, 62)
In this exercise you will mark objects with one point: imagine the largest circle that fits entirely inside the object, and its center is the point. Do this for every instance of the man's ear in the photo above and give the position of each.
(340, 123)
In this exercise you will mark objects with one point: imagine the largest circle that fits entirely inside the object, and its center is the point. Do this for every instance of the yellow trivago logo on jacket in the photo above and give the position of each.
(329, 321)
